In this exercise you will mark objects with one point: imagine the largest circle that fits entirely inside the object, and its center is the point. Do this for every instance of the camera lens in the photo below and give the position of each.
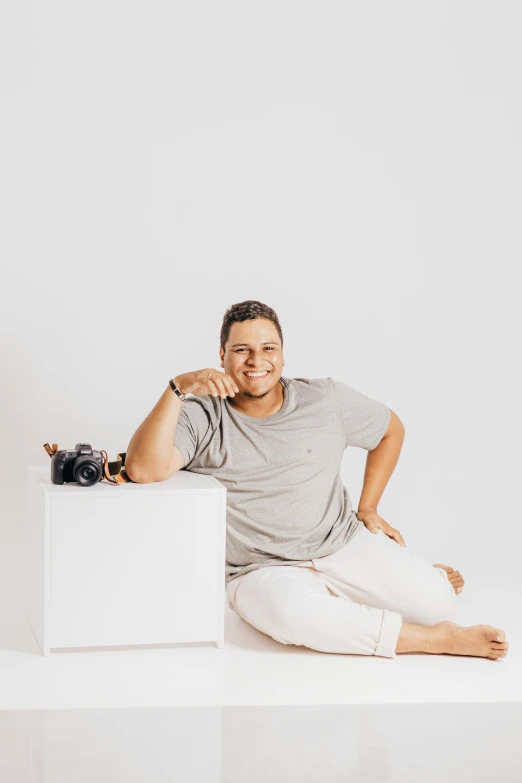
(87, 472)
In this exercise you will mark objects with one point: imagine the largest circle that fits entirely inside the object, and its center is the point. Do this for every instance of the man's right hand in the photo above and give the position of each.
(200, 384)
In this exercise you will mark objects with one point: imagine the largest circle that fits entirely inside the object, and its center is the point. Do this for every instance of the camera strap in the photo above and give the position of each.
(114, 472)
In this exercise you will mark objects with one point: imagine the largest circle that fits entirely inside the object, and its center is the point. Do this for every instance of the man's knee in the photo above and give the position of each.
(440, 605)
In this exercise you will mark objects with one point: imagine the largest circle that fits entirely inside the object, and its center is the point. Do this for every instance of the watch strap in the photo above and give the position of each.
(177, 390)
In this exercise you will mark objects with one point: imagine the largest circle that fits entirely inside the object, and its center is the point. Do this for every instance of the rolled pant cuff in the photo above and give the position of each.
(389, 635)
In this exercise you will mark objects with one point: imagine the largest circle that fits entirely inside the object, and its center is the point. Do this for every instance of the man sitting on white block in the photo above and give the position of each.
(301, 565)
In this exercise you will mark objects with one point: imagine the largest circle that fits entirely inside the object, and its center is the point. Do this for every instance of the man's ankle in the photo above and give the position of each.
(416, 638)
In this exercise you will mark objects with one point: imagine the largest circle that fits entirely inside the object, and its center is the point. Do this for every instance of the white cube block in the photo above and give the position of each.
(126, 564)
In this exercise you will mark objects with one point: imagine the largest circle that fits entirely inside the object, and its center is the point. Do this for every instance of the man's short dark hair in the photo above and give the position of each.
(247, 311)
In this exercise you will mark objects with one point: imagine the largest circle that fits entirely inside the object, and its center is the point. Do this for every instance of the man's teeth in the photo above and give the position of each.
(256, 374)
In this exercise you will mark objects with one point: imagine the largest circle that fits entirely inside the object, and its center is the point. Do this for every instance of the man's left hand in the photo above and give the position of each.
(374, 523)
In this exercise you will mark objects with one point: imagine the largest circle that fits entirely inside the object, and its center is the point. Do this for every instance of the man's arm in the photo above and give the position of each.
(150, 453)
(380, 464)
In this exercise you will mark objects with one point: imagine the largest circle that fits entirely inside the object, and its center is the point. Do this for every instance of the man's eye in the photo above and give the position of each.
(268, 348)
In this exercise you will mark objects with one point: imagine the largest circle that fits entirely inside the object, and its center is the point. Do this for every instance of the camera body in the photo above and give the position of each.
(81, 464)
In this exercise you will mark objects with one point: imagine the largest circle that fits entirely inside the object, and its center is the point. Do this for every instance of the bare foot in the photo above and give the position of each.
(484, 641)
(455, 577)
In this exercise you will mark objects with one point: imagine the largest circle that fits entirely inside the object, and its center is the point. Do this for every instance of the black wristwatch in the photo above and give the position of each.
(177, 390)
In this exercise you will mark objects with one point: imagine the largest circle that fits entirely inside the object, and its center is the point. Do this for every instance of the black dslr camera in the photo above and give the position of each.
(80, 464)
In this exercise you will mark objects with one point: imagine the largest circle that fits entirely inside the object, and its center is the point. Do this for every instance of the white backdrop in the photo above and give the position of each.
(356, 166)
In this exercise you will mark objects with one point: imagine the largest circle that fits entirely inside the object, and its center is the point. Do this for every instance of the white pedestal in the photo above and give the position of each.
(126, 564)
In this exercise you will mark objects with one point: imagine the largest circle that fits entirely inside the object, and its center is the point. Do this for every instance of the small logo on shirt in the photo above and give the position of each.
(309, 450)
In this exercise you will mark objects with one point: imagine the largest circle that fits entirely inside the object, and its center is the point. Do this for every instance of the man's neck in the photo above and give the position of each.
(260, 409)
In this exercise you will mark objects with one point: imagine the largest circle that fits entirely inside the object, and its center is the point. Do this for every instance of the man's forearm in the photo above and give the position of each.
(380, 464)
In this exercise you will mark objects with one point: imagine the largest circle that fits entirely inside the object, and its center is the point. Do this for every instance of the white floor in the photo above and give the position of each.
(463, 711)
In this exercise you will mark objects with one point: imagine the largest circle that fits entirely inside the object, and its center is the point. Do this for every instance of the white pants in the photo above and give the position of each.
(353, 601)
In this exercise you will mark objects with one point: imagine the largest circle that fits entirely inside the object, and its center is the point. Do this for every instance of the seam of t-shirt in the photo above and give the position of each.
(186, 455)
(339, 411)
(181, 446)
(386, 421)
(192, 423)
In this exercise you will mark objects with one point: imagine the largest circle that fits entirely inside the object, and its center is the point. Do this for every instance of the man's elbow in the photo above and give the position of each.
(138, 477)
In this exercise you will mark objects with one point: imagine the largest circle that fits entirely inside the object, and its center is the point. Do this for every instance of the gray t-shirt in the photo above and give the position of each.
(286, 502)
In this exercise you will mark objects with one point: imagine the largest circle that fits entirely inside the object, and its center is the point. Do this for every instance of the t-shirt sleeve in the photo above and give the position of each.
(192, 429)
(364, 419)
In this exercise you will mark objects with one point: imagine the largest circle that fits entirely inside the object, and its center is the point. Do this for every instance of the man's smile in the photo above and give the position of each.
(256, 376)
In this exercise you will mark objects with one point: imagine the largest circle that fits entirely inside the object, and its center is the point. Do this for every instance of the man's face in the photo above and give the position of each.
(253, 346)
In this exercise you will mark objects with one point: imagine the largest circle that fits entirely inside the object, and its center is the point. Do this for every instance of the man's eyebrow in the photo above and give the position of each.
(267, 342)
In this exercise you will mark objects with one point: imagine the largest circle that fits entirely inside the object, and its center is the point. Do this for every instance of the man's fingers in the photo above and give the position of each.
(396, 536)
(458, 582)
(390, 532)
(455, 576)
